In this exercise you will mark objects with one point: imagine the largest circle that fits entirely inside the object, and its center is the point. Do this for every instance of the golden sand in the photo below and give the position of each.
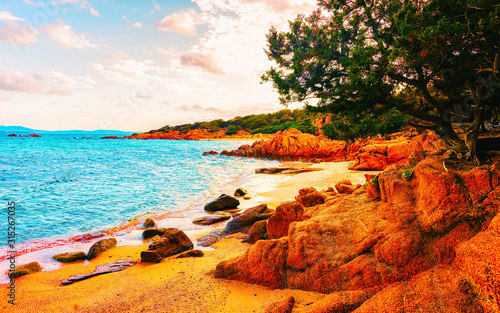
(174, 285)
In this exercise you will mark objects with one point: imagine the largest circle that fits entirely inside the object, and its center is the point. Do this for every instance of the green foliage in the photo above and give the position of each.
(374, 180)
(420, 57)
(268, 123)
(232, 129)
(408, 174)
(348, 127)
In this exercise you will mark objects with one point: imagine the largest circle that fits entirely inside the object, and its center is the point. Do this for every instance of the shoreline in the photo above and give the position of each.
(45, 284)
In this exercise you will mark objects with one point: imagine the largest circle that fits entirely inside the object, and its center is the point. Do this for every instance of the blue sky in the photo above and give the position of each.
(136, 65)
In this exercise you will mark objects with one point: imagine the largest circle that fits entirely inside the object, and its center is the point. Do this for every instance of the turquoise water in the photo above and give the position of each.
(65, 187)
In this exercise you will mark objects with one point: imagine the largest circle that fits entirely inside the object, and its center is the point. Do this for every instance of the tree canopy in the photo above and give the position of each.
(435, 60)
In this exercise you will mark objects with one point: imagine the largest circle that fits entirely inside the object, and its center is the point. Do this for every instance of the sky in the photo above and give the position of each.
(136, 65)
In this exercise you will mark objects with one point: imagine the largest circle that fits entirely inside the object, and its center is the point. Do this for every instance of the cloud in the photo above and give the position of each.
(47, 83)
(157, 6)
(66, 37)
(7, 16)
(166, 103)
(137, 24)
(142, 96)
(182, 23)
(200, 60)
(130, 71)
(4, 98)
(94, 12)
(18, 35)
(146, 51)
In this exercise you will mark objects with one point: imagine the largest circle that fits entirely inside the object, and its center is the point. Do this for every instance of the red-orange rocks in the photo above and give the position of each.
(343, 301)
(310, 197)
(372, 188)
(479, 258)
(264, 263)
(399, 247)
(441, 197)
(286, 213)
(436, 290)
(345, 186)
(283, 306)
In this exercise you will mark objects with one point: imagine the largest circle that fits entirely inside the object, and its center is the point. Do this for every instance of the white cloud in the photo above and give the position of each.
(130, 71)
(49, 83)
(94, 12)
(66, 37)
(7, 16)
(137, 24)
(146, 51)
(16, 34)
(182, 23)
(157, 7)
(4, 98)
(236, 31)
(200, 60)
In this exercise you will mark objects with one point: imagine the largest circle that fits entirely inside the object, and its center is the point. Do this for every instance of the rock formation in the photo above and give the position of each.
(367, 154)
(429, 242)
(173, 241)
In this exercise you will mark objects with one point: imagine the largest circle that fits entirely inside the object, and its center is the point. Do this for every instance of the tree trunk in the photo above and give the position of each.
(450, 139)
(472, 134)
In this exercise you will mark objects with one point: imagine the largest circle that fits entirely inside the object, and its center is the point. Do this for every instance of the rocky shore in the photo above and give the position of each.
(368, 154)
(423, 235)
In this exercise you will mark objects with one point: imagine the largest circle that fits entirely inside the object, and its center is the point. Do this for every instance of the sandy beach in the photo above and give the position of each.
(174, 285)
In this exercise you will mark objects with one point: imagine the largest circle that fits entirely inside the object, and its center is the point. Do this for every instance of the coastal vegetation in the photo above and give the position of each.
(436, 61)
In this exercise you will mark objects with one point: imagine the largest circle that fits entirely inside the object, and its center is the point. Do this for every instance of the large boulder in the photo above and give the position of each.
(25, 269)
(286, 213)
(172, 242)
(223, 202)
(101, 246)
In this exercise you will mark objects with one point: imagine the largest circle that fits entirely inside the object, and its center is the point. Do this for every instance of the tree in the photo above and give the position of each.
(423, 57)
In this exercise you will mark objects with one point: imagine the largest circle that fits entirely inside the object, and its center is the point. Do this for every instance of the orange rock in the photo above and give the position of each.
(283, 306)
(286, 213)
(436, 290)
(442, 199)
(479, 258)
(344, 301)
(345, 186)
(310, 197)
(263, 263)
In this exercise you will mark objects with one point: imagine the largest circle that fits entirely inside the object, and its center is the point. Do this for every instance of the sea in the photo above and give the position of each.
(68, 190)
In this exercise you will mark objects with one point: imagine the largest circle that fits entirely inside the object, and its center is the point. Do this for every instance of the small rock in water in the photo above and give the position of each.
(223, 202)
(101, 246)
(149, 222)
(25, 269)
(240, 192)
(70, 257)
